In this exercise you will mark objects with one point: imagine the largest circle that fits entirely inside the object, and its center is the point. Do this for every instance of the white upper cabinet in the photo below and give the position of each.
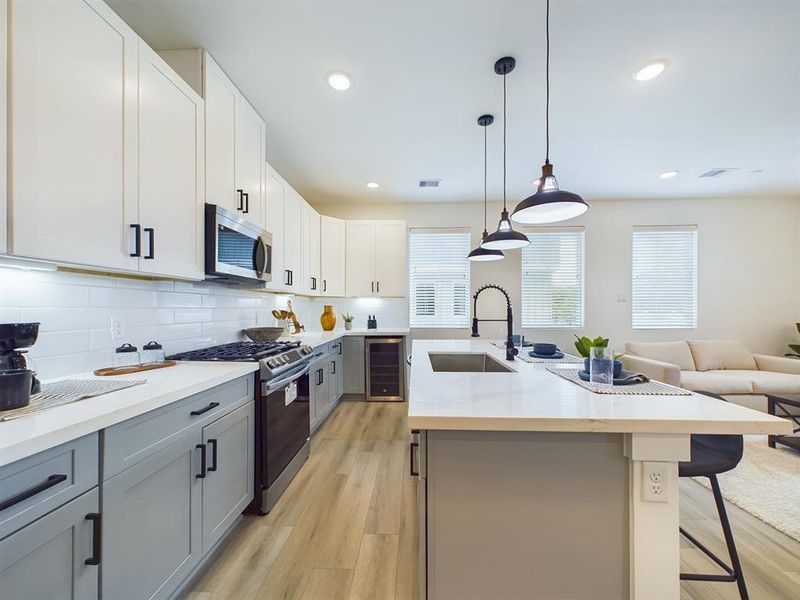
(391, 274)
(273, 222)
(360, 258)
(73, 160)
(250, 161)
(376, 258)
(312, 283)
(221, 97)
(293, 240)
(170, 170)
(333, 256)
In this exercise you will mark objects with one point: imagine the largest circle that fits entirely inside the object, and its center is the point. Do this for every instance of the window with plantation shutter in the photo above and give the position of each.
(664, 278)
(552, 279)
(439, 277)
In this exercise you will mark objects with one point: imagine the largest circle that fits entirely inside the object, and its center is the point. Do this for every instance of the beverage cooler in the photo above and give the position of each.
(385, 369)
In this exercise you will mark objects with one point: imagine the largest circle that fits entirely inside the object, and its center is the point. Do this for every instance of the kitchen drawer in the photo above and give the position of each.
(321, 350)
(131, 441)
(336, 348)
(34, 486)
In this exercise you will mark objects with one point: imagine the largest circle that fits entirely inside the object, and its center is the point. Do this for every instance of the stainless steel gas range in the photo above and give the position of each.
(282, 431)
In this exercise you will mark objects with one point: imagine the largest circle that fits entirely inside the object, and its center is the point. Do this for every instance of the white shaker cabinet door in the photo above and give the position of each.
(333, 256)
(250, 161)
(360, 258)
(273, 222)
(390, 259)
(170, 170)
(312, 282)
(293, 241)
(220, 115)
(73, 125)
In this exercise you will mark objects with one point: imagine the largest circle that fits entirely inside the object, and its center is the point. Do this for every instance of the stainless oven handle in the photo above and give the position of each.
(269, 387)
(260, 257)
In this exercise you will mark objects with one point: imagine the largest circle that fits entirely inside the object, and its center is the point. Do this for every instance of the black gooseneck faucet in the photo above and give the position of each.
(511, 351)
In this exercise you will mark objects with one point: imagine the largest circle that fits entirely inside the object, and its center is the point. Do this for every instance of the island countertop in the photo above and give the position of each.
(533, 399)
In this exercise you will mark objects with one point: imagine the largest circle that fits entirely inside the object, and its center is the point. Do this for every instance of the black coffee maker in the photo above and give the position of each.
(17, 380)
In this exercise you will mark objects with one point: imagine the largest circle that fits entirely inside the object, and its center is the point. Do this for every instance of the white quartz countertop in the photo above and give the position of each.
(533, 399)
(28, 435)
(317, 338)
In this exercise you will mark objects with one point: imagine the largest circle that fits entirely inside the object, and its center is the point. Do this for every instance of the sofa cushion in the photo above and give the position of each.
(714, 382)
(709, 355)
(676, 353)
(764, 382)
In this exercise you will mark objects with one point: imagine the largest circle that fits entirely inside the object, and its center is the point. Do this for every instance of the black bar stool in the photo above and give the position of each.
(712, 455)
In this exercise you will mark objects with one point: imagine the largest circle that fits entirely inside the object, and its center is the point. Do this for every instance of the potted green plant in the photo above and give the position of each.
(584, 345)
(348, 320)
(795, 353)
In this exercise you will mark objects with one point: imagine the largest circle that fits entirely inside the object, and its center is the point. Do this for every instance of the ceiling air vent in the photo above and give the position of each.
(429, 183)
(718, 171)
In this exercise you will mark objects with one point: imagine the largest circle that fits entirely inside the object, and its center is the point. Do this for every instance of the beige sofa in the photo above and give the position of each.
(724, 367)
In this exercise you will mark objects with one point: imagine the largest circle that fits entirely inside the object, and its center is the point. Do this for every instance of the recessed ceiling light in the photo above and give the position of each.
(339, 81)
(668, 174)
(650, 71)
(372, 185)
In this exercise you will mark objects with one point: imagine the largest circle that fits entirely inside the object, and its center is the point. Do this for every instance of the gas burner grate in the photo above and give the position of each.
(237, 351)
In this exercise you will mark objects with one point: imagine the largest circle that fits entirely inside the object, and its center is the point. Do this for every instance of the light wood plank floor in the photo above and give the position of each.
(346, 527)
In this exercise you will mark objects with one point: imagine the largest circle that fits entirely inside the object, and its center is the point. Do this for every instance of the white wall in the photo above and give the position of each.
(748, 266)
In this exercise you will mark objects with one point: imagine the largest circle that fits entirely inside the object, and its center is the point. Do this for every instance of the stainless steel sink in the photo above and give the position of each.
(466, 363)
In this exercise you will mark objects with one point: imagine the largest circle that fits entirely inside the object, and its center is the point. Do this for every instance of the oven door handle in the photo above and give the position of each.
(273, 386)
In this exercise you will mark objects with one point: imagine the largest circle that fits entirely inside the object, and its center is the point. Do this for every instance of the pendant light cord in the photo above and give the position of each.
(484, 178)
(547, 85)
(504, 142)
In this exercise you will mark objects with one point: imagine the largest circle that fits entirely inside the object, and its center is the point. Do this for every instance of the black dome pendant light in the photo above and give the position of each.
(549, 204)
(505, 238)
(482, 254)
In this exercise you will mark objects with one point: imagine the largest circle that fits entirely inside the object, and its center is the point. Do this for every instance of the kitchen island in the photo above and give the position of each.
(532, 487)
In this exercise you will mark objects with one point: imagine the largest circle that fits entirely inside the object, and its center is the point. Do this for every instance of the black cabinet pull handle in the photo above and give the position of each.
(313, 283)
(372, 286)
(291, 277)
(241, 199)
(202, 473)
(333, 367)
(32, 491)
(213, 444)
(379, 287)
(411, 470)
(324, 285)
(196, 413)
(288, 280)
(97, 539)
(152, 253)
(137, 237)
(246, 197)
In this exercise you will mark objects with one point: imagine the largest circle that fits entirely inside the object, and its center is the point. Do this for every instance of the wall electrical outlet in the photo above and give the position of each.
(654, 482)
(117, 328)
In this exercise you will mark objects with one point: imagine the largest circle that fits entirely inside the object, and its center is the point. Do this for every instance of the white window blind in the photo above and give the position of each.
(439, 277)
(552, 279)
(664, 278)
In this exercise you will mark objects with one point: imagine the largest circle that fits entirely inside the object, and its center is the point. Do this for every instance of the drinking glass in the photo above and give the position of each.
(601, 365)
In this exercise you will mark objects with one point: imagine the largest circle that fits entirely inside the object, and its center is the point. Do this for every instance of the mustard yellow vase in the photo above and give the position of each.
(328, 318)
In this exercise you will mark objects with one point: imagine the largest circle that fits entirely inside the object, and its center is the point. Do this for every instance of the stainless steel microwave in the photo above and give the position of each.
(238, 251)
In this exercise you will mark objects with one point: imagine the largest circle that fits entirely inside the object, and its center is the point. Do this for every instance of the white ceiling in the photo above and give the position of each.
(423, 72)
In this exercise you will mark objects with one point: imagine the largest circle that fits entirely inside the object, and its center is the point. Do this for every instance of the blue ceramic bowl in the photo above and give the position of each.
(617, 367)
(545, 349)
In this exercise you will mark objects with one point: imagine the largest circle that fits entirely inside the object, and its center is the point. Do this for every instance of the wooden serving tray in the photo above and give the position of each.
(137, 369)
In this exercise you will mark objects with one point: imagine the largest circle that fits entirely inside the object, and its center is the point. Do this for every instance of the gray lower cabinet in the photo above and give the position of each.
(153, 522)
(353, 367)
(228, 484)
(318, 390)
(46, 560)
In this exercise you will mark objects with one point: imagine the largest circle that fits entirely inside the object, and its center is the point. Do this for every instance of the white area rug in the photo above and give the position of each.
(766, 484)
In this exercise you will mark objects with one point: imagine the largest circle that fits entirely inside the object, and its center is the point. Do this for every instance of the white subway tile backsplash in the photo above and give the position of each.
(193, 315)
(179, 300)
(75, 310)
(101, 296)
